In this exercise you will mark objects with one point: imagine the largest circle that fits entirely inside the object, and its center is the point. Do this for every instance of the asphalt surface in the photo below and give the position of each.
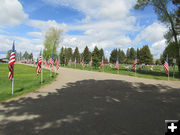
(92, 103)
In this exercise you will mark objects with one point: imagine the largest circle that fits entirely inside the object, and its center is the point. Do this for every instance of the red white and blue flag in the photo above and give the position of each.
(166, 66)
(57, 64)
(135, 63)
(82, 63)
(38, 69)
(117, 64)
(11, 62)
(75, 62)
(102, 63)
(90, 62)
(51, 62)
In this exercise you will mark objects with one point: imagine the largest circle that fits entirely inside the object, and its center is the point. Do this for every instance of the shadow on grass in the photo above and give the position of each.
(19, 90)
(93, 107)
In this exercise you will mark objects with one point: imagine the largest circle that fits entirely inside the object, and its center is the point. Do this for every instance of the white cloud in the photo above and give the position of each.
(99, 9)
(36, 34)
(11, 12)
(152, 33)
(45, 25)
(21, 44)
(158, 47)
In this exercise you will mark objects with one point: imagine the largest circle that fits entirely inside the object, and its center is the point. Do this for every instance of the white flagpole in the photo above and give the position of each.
(12, 86)
(168, 76)
(42, 69)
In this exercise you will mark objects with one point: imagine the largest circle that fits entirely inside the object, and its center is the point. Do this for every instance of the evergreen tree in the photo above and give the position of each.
(62, 55)
(86, 55)
(26, 55)
(121, 56)
(95, 57)
(76, 55)
(68, 54)
(145, 55)
(132, 54)
(113, 56)
(101, 51)
(30, 56)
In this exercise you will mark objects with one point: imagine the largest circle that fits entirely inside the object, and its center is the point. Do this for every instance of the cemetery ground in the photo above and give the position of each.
(93, 103)
(25, 80)
(143, 71)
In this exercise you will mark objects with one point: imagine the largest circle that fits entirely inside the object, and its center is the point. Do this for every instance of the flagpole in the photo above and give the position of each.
(168, 76)
(12, 86)
(12, 91)
(42, 69)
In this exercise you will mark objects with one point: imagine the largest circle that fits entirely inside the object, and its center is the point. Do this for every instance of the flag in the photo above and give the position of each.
(135, 63)
(51, 62)
(102, 63)
(75, 62)
(90, 62)
(166, 66)
(11, 62)
(38, 69)
(117, 64)
(57, 64)
(69, 63)
(82, 63)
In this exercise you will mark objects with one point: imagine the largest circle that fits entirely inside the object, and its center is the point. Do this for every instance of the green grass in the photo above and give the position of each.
(157, 73)
(25, 80)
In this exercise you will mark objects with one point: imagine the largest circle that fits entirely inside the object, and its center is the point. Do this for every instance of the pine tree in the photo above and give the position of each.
(145, 55)
(76, 55)
(113, 55)
(86, 55)
(95, 57)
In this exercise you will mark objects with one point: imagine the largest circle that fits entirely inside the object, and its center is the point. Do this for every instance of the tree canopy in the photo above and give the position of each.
(51, 43)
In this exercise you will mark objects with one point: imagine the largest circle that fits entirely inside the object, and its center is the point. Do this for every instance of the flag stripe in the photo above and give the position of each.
(11, 62)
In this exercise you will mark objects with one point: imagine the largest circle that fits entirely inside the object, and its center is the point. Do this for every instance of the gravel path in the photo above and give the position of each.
(92, 103)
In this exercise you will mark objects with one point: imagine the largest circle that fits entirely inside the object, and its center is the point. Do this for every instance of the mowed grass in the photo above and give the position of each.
(25, 80)
(157, 73)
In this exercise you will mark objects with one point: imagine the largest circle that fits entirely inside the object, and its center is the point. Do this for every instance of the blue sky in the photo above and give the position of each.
(107, 24)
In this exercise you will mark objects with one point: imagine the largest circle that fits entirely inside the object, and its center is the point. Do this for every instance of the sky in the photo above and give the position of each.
(107, 24)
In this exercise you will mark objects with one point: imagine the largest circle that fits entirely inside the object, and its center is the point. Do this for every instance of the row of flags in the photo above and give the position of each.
(51, 62)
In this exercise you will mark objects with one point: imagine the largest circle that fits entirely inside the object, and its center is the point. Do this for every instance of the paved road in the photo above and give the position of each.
(92, 103)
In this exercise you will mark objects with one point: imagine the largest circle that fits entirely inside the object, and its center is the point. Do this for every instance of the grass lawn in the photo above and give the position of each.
(25, 80)
(157, 73)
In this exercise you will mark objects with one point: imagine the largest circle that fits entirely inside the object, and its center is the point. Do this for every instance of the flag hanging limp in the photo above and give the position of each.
(166, 66)
(11, 62)
(38, 69)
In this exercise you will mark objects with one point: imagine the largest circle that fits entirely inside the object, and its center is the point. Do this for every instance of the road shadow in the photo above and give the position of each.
(94, 107)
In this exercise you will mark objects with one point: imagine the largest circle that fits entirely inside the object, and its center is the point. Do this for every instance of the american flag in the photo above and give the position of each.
(69, 63)
(90, 62)
(117, 64)
(166, 66)
(82, 63)
(135, 63)
(38, 69)
(11, 62)
(51, 62)
(75, 62)
(57, 64)
(102, 63)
